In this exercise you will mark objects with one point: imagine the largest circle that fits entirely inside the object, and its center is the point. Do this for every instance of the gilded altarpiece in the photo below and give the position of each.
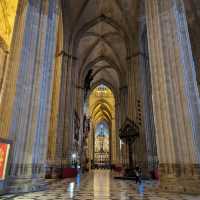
(7, 18)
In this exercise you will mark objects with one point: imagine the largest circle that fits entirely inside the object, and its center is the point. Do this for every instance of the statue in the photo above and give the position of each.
(87, 82)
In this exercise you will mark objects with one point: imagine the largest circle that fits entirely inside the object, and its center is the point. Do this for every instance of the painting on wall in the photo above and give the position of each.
(4, 152)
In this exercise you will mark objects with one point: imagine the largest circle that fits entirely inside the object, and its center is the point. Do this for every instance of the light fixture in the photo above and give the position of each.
(73, 155)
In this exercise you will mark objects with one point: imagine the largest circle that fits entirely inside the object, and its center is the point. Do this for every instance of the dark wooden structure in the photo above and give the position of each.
(128, 133)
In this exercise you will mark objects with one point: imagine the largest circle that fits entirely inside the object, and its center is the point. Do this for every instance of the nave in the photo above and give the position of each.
(101, 185)
(98, 84)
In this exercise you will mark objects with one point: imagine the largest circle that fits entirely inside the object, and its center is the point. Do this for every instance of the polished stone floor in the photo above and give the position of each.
(100, 185)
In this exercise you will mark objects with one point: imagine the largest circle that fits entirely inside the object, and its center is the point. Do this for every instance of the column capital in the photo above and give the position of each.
(66, 54)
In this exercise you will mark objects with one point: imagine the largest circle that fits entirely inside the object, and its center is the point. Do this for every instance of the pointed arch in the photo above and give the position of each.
(121, 73)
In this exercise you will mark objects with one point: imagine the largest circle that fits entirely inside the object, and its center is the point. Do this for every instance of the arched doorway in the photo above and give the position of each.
(102, 138)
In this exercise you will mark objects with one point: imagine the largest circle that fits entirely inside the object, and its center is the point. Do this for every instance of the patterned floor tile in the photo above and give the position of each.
(100, 185)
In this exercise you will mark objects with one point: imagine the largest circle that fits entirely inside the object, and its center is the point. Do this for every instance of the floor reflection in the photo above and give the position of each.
(100, 185)
(70, 189)
(78, 180)
(140, 189)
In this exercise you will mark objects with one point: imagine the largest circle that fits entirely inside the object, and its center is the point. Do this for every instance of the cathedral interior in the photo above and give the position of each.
(92, 89)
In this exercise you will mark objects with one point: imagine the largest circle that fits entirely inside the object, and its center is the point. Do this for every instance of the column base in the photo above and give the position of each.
(23, 185)
(3, 187)
(54, 169)
(183, 178)
(53, 172)
(180, 185)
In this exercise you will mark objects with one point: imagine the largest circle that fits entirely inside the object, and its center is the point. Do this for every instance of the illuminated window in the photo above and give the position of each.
(102, 91)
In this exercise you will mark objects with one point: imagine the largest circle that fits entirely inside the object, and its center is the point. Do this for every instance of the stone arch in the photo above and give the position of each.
(107, 84)
(112, 64)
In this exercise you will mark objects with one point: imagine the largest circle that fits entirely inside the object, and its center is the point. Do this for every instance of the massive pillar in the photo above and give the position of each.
(61, 141)
(117, 127)
(136, 109)
(132, 94)
(140, 145)
(144, 107)
(53, 159)
(3, 63)
(66, 111)
(114, 141)
(125, 109)
(9, 76)
(25, 115)
(123, 104)
(175, 95)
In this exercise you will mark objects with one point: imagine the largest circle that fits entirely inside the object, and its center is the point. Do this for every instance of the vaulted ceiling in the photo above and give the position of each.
(102, 34)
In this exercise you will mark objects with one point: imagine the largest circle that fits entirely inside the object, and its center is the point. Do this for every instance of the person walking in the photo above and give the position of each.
(138, 175)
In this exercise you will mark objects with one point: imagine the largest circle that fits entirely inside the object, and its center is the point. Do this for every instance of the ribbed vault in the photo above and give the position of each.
(101, 37)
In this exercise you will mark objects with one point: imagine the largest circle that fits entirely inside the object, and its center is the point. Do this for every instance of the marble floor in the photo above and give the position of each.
(100, 185)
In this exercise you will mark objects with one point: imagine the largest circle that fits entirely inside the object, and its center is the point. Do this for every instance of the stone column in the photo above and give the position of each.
(123, 110)
(139, 145)
(117, 127)
(32, 102)
(146, 119)
(4, 53)
(123, 103)
(90, 145)
(114, 138)
(66, 112)
(174, 89)
(62, 135)
(8, 88)
(136, 110)
(132, 92)
(53, 159)
(72, 108)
